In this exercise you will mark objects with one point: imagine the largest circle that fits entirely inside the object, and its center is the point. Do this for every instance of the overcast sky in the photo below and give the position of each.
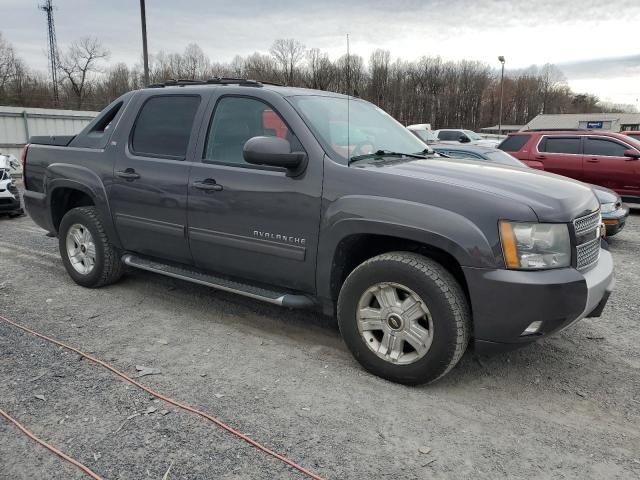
(594, 42)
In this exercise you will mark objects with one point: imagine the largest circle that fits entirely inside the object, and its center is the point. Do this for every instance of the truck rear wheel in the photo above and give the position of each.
(90, 259)
(404, 317)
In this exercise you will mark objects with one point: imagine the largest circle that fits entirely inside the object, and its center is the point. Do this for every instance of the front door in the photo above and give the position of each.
(149, 192)
(606, 165)
(255, 223)
(561, 154)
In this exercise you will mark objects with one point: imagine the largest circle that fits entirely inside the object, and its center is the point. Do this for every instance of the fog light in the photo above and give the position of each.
(533, 328)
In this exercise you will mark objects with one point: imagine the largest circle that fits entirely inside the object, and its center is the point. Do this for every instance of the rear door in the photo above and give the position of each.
(253, 222)
(148, 195)
(606, 165)
(561, 154)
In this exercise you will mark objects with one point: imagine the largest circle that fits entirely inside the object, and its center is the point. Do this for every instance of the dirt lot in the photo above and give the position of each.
(568, 407)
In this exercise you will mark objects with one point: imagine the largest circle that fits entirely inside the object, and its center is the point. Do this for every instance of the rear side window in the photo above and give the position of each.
(164, 125)
(565, 145)
(603, 147)
(635, 136)
(514, 143)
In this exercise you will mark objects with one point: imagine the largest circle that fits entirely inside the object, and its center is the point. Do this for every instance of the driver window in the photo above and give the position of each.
(237, 119)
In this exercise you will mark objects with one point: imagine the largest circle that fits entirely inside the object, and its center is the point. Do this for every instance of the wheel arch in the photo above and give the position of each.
(71, 186)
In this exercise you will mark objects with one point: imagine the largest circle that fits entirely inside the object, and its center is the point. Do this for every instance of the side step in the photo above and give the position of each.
(184, 273)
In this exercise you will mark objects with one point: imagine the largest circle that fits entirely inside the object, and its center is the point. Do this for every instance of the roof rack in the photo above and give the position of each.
(243, 82)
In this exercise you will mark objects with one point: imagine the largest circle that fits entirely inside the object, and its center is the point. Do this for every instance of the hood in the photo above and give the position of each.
(552, 197)
(605, 195)
(487, 142)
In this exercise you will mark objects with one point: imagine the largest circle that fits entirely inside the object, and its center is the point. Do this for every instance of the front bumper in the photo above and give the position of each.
(9, 203)
(505, 302)
(615, 221)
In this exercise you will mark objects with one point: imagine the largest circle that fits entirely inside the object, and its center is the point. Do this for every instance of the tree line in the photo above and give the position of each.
(444, 93)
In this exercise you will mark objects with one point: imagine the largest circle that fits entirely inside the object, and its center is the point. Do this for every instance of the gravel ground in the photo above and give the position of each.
(567, 407)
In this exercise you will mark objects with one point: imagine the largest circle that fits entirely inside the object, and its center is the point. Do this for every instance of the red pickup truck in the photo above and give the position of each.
(601, 158)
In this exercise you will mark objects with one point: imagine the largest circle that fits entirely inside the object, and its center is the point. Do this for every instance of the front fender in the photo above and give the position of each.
(62, 175)
(427, 224)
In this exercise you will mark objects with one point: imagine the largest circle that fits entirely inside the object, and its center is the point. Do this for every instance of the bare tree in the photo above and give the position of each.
(8, 62)
(322, 73)
(79, 63)
(288, 53)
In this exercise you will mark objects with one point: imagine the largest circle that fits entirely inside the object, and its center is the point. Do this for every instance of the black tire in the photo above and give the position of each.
(439, 291)
(108, 267)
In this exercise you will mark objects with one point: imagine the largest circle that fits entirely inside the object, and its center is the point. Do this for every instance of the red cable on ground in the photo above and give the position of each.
(76, 463)
(187, 408)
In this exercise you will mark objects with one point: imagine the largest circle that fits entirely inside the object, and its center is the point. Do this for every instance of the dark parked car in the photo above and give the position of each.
(601, 158)
(414, 253)
(614, 212)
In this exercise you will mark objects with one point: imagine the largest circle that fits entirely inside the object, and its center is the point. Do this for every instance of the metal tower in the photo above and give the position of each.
(53, 48)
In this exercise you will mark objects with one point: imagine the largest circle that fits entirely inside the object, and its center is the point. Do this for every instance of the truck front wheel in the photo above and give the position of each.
(404, 317)
(90, 259)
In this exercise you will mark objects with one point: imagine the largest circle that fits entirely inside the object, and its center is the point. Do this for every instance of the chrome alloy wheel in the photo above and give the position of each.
(81, 249)
(395, 323)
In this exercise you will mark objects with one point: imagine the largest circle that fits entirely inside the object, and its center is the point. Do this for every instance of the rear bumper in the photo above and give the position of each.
(506, 302)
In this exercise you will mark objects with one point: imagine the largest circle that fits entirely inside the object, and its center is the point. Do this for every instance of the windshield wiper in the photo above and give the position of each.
(386, 153)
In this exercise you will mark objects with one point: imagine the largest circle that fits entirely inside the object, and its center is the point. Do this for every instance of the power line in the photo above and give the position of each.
(53, 48)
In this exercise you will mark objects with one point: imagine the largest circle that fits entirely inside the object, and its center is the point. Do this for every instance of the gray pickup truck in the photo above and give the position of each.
(308, 199)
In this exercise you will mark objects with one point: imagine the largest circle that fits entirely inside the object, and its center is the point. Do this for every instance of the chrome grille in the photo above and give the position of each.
(588, 253)
(587, 231)
(586, 223)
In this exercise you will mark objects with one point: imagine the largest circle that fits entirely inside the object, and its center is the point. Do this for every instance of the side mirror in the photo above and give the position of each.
(464, 139)
(632, 154)
(273, 152)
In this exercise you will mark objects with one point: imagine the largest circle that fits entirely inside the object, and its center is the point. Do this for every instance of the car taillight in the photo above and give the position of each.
(23, 161)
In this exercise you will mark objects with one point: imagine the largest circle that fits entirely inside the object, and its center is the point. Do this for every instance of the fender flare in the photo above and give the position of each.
(62, 175)
(426, 224)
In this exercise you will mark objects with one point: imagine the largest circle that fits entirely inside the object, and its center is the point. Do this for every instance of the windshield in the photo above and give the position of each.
(498, 156)
(472, 135)
(427, 136)
(371, 129)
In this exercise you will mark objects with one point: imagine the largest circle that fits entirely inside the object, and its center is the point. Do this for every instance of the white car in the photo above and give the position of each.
(423, 132)
(451, 135)
(9, 197)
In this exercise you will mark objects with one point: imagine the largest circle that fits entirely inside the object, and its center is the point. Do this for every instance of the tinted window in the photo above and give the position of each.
(603, 147)
(560, 145)
(449, 135)
(514, 143)
(635, 136)
(164, 125)
(236, 120)
(457, 154)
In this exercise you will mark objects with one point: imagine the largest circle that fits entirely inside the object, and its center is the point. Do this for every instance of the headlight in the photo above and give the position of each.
(607, 207)
(535, 246)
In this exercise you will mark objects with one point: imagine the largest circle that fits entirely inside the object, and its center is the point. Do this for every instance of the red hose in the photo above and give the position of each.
(72, 461)
(188, 408)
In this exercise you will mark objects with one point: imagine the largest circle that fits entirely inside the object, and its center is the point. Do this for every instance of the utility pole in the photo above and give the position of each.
(53, 50)
(501, 60)
(143, 18)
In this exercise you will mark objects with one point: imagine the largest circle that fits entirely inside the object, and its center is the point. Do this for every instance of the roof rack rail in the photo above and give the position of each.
(556, 130)
(243, 82)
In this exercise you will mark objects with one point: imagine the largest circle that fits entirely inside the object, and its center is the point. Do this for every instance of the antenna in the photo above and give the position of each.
(348, 101)
(53, 49)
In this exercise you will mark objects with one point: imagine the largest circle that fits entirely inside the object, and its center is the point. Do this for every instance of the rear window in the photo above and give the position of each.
(164, 126)
(449, 135)
(514, 143)
(566, 145)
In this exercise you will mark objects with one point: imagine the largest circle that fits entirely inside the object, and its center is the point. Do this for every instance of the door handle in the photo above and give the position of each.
(593, 160)
(208, 185)
(541, 157)
(129, 174)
